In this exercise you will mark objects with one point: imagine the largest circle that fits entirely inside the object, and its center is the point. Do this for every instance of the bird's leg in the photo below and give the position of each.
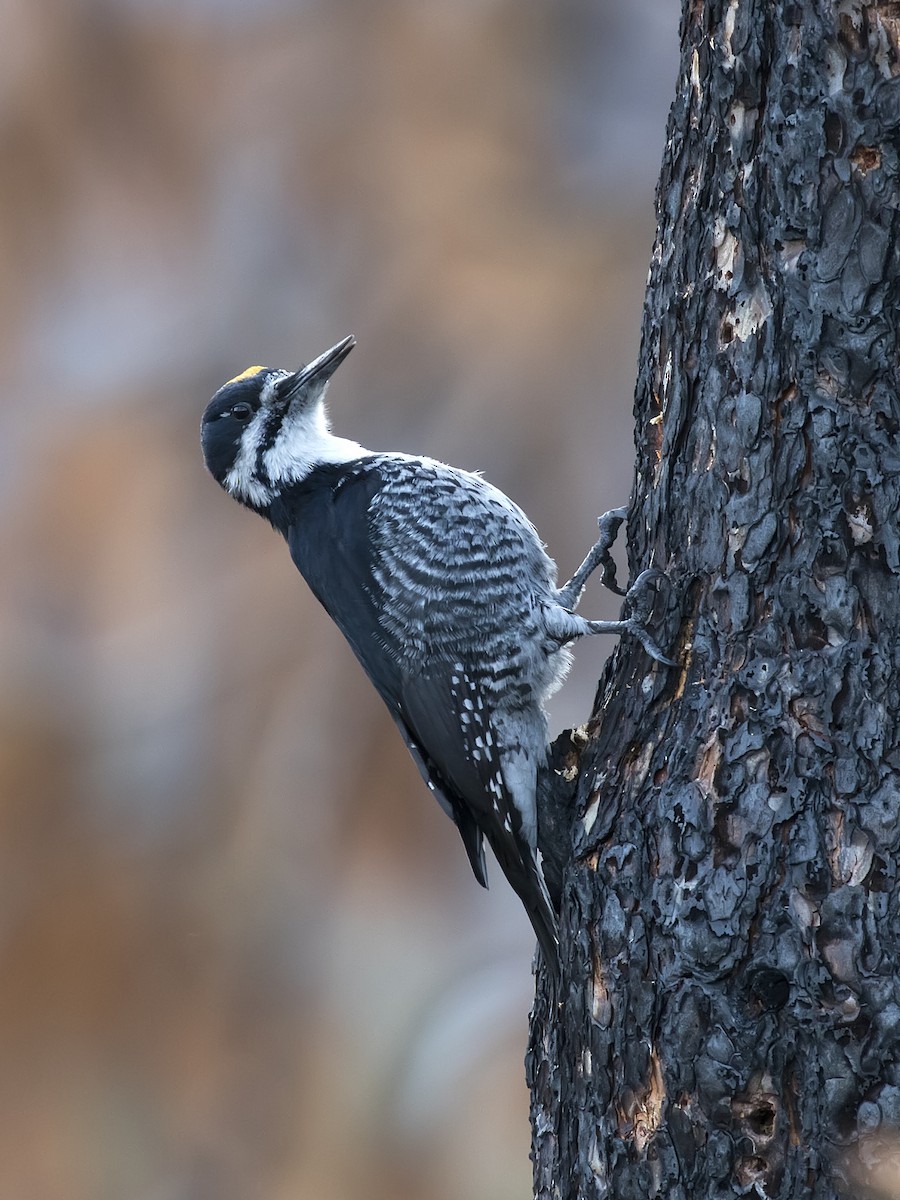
(569, 595)
(639, 602)
(564, 626)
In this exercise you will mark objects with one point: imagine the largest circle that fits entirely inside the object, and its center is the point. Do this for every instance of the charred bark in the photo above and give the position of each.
(730, 1017)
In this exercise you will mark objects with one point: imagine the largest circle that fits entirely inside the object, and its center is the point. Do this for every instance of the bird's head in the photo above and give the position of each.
(267, 428)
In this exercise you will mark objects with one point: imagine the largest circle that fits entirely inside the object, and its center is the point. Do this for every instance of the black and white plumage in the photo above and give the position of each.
(442, 588)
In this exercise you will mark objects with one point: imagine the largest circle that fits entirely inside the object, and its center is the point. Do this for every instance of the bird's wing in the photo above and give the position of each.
(338, 572)
(451, 802)
(487, 762)
(448, 711)
(423, 577)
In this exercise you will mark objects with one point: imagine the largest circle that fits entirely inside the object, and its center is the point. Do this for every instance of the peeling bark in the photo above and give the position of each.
(729, 1022)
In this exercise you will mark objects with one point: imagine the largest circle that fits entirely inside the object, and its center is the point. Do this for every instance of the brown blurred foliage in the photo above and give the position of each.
(242, 955)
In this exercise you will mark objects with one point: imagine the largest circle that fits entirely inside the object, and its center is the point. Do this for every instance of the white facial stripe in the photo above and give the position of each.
(304, 441)
(242, 480)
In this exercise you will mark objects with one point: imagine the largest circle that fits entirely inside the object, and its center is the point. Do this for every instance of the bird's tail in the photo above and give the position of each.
(527, 880)
(545, 925)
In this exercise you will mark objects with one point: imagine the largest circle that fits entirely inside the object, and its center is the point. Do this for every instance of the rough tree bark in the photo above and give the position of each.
(729, 1022)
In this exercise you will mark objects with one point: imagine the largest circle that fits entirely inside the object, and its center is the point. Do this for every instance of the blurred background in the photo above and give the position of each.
(241, 952)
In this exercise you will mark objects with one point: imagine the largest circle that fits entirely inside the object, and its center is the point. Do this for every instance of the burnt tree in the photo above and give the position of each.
(729, 1022)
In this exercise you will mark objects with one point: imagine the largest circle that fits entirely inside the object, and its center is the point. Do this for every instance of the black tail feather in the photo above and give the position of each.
(527, 880)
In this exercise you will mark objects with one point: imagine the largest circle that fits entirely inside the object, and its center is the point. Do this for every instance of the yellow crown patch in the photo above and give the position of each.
(248, 374)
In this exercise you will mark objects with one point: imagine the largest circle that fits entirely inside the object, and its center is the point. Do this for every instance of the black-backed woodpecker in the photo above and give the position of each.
(443, 589)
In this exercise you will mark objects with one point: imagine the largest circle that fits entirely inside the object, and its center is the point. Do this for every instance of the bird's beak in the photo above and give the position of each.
(318, 372)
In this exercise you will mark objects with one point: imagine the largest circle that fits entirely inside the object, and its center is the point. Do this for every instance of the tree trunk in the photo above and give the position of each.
(729, 1022)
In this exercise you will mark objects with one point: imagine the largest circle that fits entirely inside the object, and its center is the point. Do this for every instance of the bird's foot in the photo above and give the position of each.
(638, 605)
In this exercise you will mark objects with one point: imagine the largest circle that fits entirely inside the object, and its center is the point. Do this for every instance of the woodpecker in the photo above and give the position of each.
(444, 591)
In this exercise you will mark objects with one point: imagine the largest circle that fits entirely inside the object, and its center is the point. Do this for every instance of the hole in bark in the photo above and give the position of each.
(749, 1170)
(860, 1028)
(725, 852)
(770, 987)
(761, 1120)
(834, 133)
(845, 1120)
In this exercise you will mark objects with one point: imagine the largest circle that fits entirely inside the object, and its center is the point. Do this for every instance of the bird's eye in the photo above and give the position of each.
(242, 412)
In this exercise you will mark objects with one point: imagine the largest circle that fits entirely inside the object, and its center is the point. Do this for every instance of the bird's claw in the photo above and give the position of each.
(639, 600)
(609, 527)
(636, 629)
